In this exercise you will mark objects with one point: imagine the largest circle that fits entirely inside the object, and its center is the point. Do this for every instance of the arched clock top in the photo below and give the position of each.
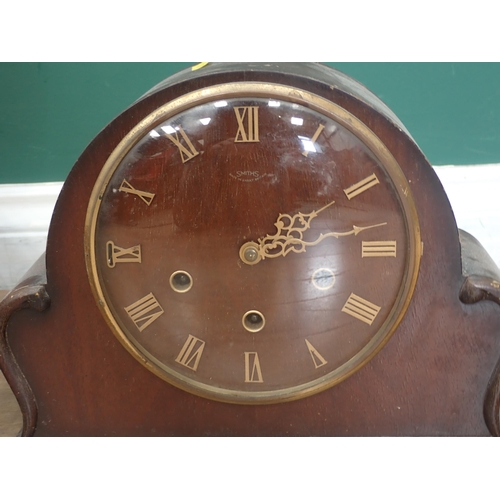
(245, 247)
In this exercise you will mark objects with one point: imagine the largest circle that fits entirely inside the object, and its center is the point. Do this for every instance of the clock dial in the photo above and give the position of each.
(252, 243)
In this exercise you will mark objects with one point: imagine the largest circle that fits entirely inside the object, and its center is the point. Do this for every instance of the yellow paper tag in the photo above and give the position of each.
(198, 66)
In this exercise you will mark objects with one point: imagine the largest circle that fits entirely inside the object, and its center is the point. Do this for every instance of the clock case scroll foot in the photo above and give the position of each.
(482, 282)
(30, 293)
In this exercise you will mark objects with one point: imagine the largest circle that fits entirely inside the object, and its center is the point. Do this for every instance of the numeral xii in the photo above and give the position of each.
(248, 123)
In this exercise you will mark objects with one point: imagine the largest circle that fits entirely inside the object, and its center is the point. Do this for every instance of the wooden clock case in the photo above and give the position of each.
(439, 374)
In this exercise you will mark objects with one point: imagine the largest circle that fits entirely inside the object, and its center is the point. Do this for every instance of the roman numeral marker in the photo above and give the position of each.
(314, 138)
(144, 311)
(253, 372)
(187, 151)
(378, 249)
(126, 187)
(318, 360)
(116, 254)
(361, 309)
(191, 352)
(361, 186)
(248, 132)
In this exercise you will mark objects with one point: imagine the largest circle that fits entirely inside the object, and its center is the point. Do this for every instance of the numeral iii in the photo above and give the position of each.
(378, 249)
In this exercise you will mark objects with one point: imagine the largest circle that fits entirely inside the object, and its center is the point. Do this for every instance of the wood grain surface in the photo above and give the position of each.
(430, 379)
(11, 419)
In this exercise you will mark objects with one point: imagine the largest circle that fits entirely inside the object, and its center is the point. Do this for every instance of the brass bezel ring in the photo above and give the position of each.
(327, 108)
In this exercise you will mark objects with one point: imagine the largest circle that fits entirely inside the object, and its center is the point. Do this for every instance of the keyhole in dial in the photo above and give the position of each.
(253, 321)
(181, 281)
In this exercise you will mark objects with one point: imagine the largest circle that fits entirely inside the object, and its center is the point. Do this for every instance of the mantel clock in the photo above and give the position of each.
(255, 249)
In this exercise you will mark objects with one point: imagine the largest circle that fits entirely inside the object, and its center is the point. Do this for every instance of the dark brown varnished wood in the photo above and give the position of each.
(482, 276)
(30, 293)
(482, 282)
(429, 379)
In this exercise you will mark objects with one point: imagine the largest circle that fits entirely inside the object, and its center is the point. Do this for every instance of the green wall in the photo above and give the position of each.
(49, 112)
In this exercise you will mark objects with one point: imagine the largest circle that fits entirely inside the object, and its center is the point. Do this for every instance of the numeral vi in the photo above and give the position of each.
(253, 373)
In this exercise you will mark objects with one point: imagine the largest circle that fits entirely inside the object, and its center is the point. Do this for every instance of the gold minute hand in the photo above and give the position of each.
(282, 244)
(271, 248)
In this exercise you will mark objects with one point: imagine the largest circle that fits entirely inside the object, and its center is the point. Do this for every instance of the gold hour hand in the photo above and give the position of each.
(288, 228)
(295, 225)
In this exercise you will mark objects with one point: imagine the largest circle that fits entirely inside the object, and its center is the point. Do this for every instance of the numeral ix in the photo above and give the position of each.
(116, 254)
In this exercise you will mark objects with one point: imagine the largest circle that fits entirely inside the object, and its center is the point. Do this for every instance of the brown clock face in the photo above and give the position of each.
(252, 243)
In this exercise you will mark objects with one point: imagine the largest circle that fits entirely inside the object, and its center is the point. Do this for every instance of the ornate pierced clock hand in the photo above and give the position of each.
(289, 237)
